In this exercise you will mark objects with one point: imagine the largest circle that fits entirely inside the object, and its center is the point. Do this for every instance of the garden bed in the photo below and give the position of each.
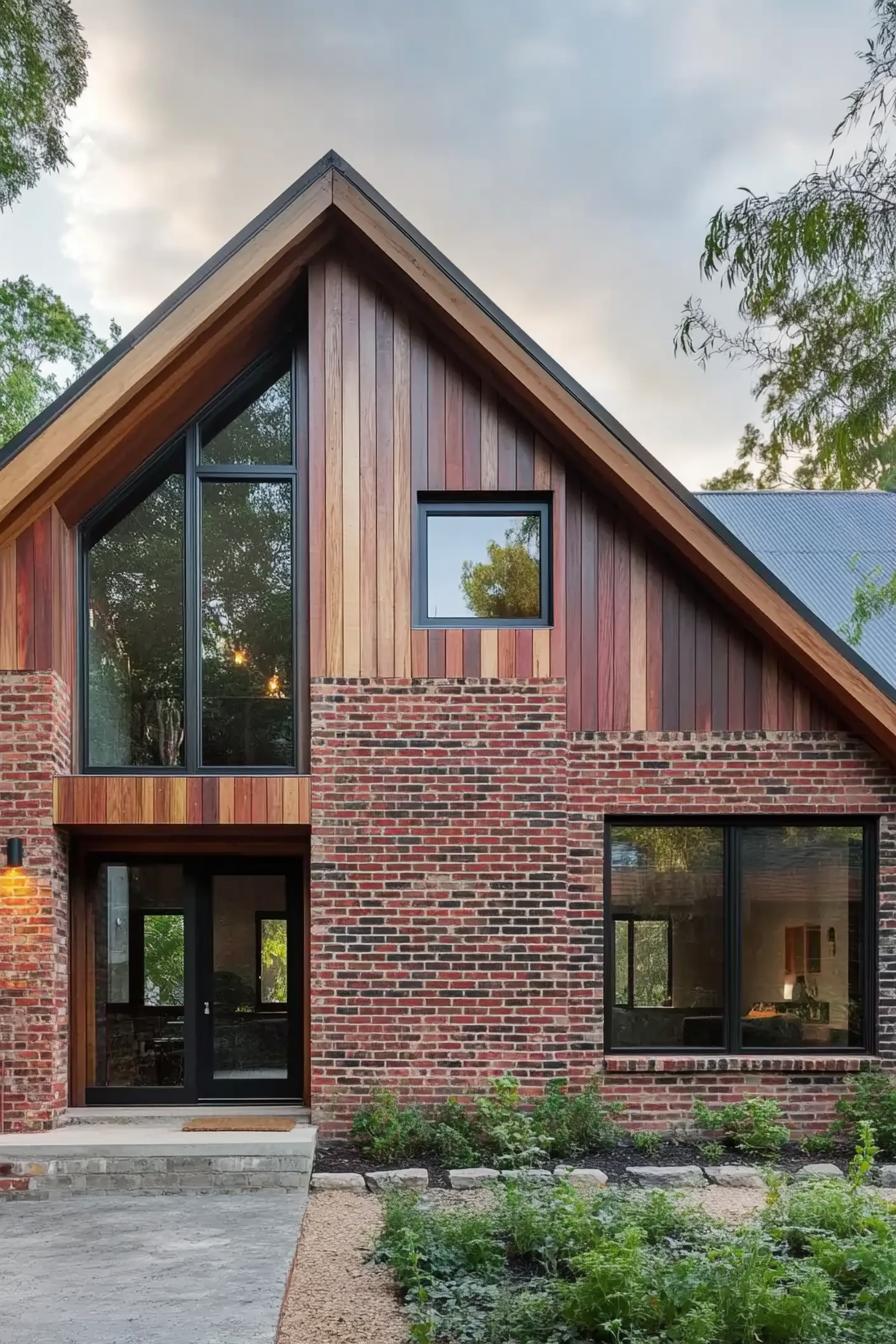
(343, 1155)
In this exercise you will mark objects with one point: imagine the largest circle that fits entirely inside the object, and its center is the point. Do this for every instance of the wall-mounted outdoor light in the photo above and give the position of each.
(15, 852)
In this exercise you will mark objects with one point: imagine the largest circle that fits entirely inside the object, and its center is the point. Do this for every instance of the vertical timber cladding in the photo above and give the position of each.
(391, 414)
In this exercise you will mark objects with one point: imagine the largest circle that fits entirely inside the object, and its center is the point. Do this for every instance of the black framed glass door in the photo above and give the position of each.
(248, 1032)
(195, 981)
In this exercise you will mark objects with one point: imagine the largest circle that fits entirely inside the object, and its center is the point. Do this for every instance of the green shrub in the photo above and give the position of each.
(388, 1132)
(712, 1152)
(752, 1126)
(571, 1124)
(818, 1145)
(873, 1098)
(509, 1135)
(647, 1141)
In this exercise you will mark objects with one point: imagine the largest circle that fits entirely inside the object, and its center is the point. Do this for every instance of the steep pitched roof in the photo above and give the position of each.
(95, 414)
(820, 543)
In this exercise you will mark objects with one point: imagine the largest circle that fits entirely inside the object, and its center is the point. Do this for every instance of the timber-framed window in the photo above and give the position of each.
(483, 560)
(189, 649)
(739, 935)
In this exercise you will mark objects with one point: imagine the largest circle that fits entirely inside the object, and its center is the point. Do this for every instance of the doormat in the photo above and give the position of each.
(278, 1124)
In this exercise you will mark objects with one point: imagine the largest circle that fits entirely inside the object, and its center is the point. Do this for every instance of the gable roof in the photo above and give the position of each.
(819, 544)
(92, 416)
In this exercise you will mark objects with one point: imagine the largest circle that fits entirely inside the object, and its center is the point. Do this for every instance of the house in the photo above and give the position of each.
(376, 711)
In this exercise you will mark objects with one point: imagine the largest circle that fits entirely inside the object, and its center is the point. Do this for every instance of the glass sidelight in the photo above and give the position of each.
(194, 973)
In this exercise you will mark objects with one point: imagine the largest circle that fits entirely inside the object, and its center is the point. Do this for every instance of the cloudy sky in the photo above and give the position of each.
(566, 154)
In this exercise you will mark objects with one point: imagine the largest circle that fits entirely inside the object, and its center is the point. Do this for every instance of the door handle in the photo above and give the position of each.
(207, 1009)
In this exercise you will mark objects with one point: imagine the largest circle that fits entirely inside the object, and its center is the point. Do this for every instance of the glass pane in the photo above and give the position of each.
(135, 634)
(802, 958)
(247, 655)
(272, 954)
(650, 968)
(139, 975)
(484, 565)
(258, 434)
(666, 881)
(620, 962)
(250, 1032)
(163, 961)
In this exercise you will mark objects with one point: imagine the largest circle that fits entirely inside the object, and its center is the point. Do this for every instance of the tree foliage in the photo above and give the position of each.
(508, 584)
(816, 271)
(43, 71)
(42, 342)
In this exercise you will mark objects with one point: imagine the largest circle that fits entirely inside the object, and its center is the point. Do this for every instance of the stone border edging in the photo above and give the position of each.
(732, 1176)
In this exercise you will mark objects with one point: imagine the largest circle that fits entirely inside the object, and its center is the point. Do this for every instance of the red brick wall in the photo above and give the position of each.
(457, 894)
(439, 952)
(34, 746)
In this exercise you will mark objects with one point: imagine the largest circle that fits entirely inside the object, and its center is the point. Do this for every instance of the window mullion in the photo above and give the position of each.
(192, 590)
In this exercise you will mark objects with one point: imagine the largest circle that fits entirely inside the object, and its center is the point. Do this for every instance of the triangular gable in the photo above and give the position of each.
(102, 410)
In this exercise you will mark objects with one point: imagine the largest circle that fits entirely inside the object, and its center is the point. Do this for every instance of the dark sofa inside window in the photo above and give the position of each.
(738, 936)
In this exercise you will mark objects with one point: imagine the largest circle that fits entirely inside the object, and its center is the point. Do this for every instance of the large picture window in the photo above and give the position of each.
(738, 937)
(189, 583)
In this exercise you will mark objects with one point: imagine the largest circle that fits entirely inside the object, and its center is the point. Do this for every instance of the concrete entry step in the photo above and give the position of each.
(152, 1159)
(169, 1115)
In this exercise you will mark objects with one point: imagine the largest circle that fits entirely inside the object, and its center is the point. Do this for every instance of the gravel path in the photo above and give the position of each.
(335, 1296)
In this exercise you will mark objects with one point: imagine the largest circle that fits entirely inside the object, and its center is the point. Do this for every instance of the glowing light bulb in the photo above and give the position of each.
(274, 685)
(240, 657)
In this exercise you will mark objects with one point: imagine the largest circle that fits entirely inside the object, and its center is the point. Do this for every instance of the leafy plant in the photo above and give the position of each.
(550, 1265)
(578, 1122)
(388, 1132)
(818, 1145)
(712, 1152)
(751, 1126)
(510, 1135)
(647, 1141)
(873, 1099)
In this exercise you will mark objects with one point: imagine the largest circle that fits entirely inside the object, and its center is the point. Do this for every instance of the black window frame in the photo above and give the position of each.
(183, 451)
(496, 503)
(732, 828)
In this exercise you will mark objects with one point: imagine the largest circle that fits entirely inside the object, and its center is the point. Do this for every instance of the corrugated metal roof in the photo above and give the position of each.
(819, 543)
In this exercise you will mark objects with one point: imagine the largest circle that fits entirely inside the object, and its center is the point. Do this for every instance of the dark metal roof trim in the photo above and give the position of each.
(332, 160)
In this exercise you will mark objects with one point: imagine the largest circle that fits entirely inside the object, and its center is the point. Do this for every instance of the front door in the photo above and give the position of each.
(194, 971)
(248, 990)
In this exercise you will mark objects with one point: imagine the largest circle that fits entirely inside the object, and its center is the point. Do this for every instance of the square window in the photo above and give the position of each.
(483, 561)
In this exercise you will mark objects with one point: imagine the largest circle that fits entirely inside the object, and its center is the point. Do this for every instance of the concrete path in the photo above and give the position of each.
(169, 1269)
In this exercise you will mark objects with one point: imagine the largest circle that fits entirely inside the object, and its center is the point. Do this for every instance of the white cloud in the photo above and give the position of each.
(565, 156)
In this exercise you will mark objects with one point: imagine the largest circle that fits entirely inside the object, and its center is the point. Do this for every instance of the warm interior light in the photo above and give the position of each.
(274, 685)
(787, 988)
(240, 657)
(15, 853)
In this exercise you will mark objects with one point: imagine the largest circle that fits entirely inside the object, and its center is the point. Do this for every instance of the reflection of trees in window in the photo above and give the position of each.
(508, 584)
(259, 435)
(142, 590)
(643, 965)
(666, 849)
(163, 960)
(273, 960)
(135, 634)
(247, 622)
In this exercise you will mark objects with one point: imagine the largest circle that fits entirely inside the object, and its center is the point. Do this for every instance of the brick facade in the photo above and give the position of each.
(457, 889)
(35, 745)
